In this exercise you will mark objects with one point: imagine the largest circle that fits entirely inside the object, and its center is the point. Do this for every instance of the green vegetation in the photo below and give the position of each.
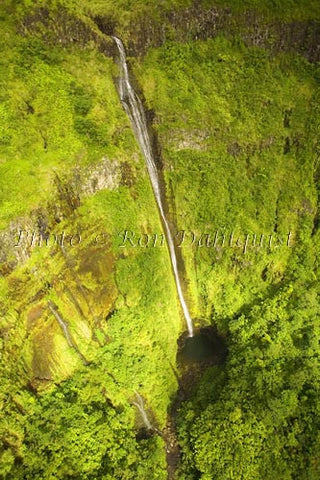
(288, 10)
(239, 130)
(248, 170)
(87, 325)
(53, 117)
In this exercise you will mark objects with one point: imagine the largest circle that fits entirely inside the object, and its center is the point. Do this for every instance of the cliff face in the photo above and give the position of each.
(251, 27)
(73, 182)
(81, 146)
(62, 27)
(87, 323)
(195, 22)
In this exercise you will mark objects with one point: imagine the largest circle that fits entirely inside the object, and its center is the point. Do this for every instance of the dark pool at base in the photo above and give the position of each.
(197, 348)
(205, 346)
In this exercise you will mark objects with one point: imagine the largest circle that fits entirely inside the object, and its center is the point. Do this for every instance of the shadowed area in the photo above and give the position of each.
(206, 346)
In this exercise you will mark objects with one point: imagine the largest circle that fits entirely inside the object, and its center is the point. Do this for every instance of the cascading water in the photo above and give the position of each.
(66, 332)
(140, 406)
(62, 324)
(135, 111)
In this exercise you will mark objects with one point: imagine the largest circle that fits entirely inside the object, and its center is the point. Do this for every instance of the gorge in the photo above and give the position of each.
(123, 356)
(135, 111)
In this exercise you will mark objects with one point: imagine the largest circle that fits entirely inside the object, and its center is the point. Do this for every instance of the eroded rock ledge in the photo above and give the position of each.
(194, 23)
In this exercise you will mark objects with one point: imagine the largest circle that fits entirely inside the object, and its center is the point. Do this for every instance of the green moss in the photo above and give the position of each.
(237, 129)
(223, 128)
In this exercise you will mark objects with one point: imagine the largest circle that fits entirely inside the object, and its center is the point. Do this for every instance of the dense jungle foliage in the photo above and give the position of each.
(90, 322)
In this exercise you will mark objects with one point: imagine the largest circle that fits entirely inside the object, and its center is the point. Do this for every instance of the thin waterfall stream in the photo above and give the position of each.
(65, 328)
(62, 324)
(140, 406)
(135, 111)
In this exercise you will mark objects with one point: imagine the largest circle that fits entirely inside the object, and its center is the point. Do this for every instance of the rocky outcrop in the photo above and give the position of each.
(199, 23)
(24, 233)
(105, 174)
(62, 27)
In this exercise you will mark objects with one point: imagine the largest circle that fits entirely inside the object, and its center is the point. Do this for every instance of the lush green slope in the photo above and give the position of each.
(239, 132)
(70, 165)
(237, 127)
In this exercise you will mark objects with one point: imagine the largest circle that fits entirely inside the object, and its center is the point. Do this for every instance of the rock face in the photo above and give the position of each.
(182, 140)
(61, 335)
(81, 280)
(199, 23)
(64, 28)
(194, 23)
(16, 242)
(105, 174)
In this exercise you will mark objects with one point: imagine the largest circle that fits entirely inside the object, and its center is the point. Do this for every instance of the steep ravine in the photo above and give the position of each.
(200, 24)
(135, 111)
(195, 355)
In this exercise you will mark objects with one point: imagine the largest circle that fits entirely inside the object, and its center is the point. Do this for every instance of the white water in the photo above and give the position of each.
(140, 406)
(65, 329)
(62, 324)
(135, 111)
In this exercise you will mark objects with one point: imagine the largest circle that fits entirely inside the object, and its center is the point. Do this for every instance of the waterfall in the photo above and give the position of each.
(62, 324)
(65, 329)
(140, 406)
(135, 111)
